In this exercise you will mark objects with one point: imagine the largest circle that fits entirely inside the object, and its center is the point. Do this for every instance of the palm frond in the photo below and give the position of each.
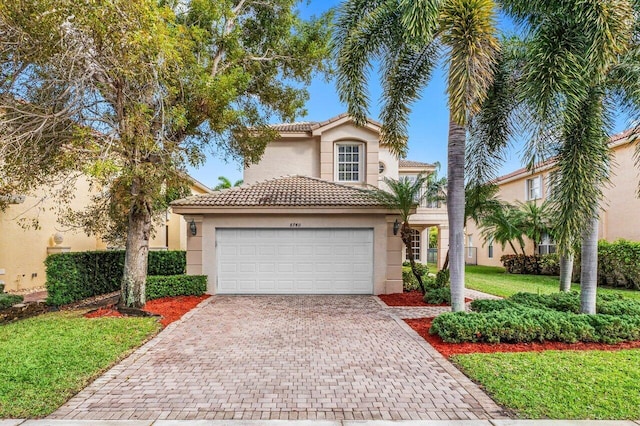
(468, 30)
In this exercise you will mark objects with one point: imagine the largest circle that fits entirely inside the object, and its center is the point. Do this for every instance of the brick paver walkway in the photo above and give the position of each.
(284, 357)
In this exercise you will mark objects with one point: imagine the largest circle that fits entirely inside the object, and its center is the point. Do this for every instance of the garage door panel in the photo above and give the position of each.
(288, 261)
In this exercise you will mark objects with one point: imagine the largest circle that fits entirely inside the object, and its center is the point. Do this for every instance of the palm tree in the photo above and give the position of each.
(406, 37)
(578, 62)
(504, 225)
(225, 183)
(535, 221)
(403, 196)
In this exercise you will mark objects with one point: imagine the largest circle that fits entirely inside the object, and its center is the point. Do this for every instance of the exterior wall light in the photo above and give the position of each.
(193, 227)
(396, 227)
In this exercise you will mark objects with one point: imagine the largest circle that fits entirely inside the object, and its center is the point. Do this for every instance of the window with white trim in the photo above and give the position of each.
(534, 188)
(547, 245)
(415, 245)
(469, 246)
(490, 247)
(349, 162)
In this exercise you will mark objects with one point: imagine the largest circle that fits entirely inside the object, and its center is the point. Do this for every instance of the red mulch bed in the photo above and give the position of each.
(422, 326)
(409, 298)
(170, 308)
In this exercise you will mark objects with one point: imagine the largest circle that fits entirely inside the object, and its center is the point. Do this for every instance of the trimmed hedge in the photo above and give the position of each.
(619, 264)
(76, 276)
(521, 324)
(175, 285)
(8, 300)
(437, 296)
(547, 264)
(609, 304)
(527, 317)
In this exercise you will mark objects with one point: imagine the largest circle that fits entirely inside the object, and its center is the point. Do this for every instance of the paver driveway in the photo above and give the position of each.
(284, 357)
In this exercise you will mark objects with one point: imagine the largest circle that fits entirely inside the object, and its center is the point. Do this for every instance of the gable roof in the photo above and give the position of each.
(629, 135)
(287, 191)
(311, 126)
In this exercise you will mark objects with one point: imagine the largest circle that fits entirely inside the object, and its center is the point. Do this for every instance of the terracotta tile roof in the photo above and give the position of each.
(409, 163)
(288, 191)
(612, 141)
(301, 126)
(309, 126)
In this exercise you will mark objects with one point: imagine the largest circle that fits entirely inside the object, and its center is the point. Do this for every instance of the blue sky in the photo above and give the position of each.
(428, 125)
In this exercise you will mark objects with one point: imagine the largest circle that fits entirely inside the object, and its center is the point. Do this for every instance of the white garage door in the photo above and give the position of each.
(294, 261)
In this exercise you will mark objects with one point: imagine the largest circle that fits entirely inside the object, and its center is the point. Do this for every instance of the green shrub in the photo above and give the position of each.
(175, 285)
(438, 296)
(170, 262)
(8, 300)
(490, 305)
(75, 276)
(549, 264)
(619, 264)
(409, 281)
(564, 302)
(608, 304)
(522, 324)
(442, 278)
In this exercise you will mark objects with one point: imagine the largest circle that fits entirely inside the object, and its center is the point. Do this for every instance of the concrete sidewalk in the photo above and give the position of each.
(319, 423)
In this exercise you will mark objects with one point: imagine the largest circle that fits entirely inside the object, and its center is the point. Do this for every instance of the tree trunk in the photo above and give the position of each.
(566, 271)
(455, 211)
(589, 268)
(445, 265)
(405, 235)
(133, 294)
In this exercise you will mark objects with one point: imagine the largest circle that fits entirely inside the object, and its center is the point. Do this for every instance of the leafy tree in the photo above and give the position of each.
(504, 225)
(403, 196)
(131, 92)
(535, 222)
(225, 183)
(406, 38)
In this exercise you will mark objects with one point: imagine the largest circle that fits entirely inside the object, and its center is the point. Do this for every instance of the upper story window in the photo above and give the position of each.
(349, 162)
(534, 188)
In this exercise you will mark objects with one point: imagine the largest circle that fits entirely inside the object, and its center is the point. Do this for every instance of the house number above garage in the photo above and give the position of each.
(295, 225)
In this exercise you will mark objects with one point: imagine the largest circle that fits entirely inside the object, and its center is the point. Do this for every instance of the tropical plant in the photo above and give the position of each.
(225, 183)
(406, 38)
(403, 196)
(130, 93)
(577, 64)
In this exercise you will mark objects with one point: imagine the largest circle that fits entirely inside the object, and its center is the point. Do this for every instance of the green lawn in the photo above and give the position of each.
(47, 359)
(494, 280)
(560, 384)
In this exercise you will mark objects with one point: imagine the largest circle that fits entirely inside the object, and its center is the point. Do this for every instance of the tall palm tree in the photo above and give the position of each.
(403, 196)
(578, 61)
(406, 38)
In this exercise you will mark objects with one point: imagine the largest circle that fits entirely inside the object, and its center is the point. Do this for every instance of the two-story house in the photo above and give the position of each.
(304, 222)
(618, 215)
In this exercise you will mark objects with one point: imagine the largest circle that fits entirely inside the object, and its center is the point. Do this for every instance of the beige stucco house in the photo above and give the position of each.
(23, 251)
(618, 218)
(303, 222)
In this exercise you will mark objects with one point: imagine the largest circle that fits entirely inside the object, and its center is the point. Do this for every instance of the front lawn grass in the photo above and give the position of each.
(560, 384)
(47, 359)
(493, 280)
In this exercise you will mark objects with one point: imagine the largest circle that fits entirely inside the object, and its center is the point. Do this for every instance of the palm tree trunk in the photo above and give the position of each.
(589, 268)
(455, 210)
(445, 265)
(566, 271)
(405, 235)
(133, 294)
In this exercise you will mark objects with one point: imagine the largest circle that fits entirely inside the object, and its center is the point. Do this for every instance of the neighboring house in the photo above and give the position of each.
(618, 217)
(23, 251)
(303, 221)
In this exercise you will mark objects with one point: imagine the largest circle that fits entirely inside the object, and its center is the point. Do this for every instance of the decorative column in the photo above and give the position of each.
(443, 244)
